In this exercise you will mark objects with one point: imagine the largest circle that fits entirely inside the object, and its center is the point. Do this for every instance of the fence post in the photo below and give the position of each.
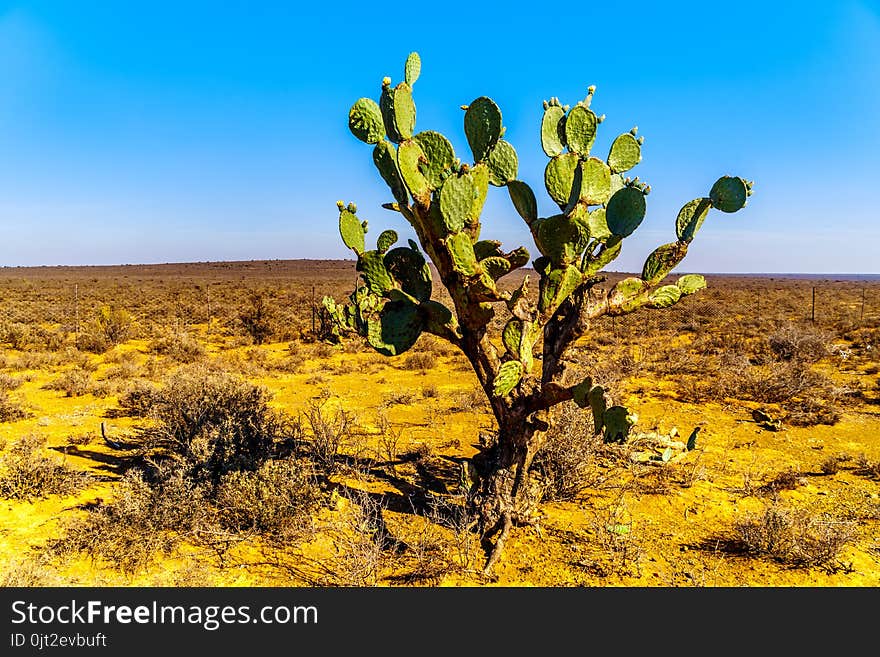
(813, 309)
(313, 311)
(76, 313)
(862, 311)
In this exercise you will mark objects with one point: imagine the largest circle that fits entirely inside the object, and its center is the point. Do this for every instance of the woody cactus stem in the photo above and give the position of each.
(442, 199)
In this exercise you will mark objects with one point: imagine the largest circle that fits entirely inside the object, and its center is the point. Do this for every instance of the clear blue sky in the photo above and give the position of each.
(187, 131)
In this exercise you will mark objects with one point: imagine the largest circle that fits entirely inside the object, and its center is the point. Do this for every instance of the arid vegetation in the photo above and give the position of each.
(185, 451)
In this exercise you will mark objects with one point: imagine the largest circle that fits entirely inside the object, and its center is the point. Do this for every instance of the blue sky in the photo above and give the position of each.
(160, 131)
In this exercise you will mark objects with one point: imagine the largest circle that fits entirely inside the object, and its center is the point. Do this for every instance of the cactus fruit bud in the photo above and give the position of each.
(634, 130)
(641, 140)
(352, 208)
(565, 108)
(591, 89)
(601, 118)
(386, 81)
(340, 205)
(464, 107)
(546, 104)
(364, 225)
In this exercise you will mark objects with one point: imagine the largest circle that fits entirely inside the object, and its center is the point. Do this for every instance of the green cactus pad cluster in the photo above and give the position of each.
(443, 198)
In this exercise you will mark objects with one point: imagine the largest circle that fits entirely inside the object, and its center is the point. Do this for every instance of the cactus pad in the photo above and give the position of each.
(412, 68)
(397, 328)
(439, 155)
(385, 159)
(386, 241)
(365, 121)
(662, 261)
(625, 211)
(596, 399)
(512, 335)
(496, 267)
(553, 130)
(524, 200)
(480, 175)
(580, 129)
(404, 111)
(503, 163)
(372, 265)
(618, 421)
(410, 161)
(352, 231)
(487, 249)
(560, 238)
(462, 251)
(598, 225)
(409, 268)
(690, 283)
(457, 197)
(625, 153)
(665, 296)
(555, 287)
(691, 217)
(595, 181)
(386, 108)
(482, 126)
(580, 392)
(559, 177)
(507, 378)
(729, 193)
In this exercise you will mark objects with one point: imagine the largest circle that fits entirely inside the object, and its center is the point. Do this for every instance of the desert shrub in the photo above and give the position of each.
(419, 360)
(10, 411)
(180, 346)
(137, 399)
(114, 324)
(278, 498)
(257, 318)
(147, 518)
(9, 382)
(26, 472)
(794, 537)
(217, 422)
(329, 432)
(567, 459)
(75, 383)
(92, 341)
(798, 342)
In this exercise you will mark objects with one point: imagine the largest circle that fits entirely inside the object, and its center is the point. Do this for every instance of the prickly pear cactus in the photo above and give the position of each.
(442, 199)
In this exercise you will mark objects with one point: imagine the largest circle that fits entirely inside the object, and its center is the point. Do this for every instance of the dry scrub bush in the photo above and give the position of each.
(10, 411)
(27, 473)
(419, 360)
(137, 399)
(215, 421)
(76, 383)
(180, 346)
(567, 459)
(147, 518)
(794, 537)
(257, 318)
(325, 434)
(278, 498)
(797, 342)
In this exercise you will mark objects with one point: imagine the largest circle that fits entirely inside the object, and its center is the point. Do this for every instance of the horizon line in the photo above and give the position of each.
(280, 260)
